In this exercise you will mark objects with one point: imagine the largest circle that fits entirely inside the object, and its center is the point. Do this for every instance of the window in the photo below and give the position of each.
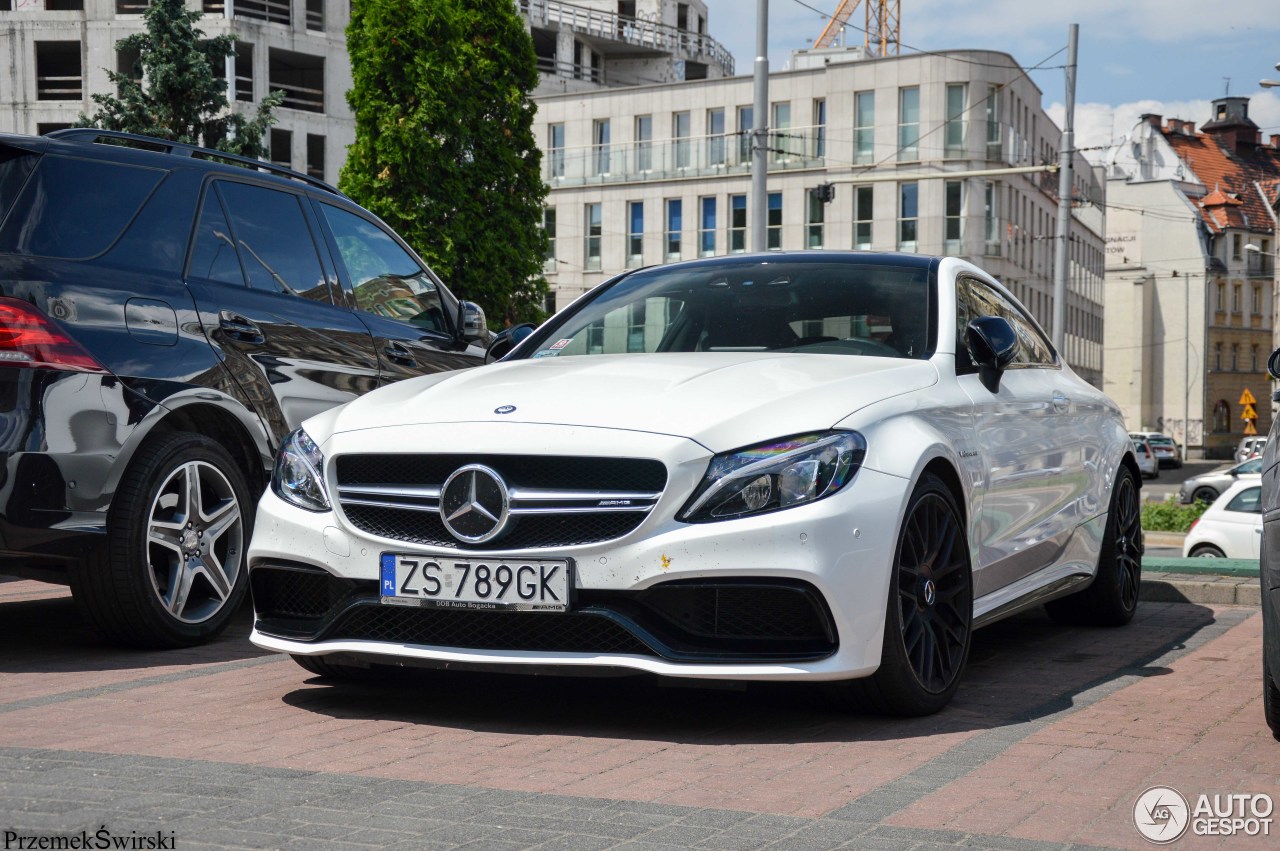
(715, 134)
(315, 15)
(213, 257)
(817, 213)
(780, 135)
(549, 228)
(1248, 501)
(819, 128)
(980, 299)
(864, 127)
(635, 234)
(675, 223)
(1237, 248)
(953, 134)
(908, 216)
(1253, 359)
(1217, 357)
(909, 124)
(299, 76)
(737, 224)
(315, 156)
(1221, 414)
(600, 145)
(58, 72)
(1221, 300)
(1257, 300)
(129, 67)
(680, 130)
(644, 143)
(282, 147)
(1235, 357)
(61, 219)
(991, 219)
(862, 198)
(592, 232)
(773, 235)
(953, 193)
(386, 280)
(993, 123)
(745, 123)
(276, 247)
(707, 228)
(1235, 299)
(555, 149)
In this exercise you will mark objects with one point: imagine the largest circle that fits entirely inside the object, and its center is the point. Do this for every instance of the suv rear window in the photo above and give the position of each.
(15, 165)
(75, 208)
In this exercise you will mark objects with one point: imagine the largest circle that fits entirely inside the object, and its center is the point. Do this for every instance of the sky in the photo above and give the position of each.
(1169, 57)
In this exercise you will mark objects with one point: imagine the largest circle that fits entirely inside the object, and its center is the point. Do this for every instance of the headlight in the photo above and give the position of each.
(297, 477)
(775, 475)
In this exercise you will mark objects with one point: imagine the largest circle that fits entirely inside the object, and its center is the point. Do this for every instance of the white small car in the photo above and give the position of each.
(826, 466)
(1231, 527)
(1148, 467)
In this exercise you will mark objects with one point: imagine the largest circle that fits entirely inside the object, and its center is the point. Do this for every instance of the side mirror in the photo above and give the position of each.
(474, 326)
(507, 340)
(993, 344)
(1273, 365)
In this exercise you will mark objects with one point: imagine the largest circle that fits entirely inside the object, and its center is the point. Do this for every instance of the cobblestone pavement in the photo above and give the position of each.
(1053, 735)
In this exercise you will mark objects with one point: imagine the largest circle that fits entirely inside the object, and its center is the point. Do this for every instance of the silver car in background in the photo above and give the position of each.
(1147, 464)
(1208, 486)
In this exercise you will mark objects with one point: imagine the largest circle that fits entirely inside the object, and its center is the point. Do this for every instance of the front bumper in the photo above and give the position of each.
(798, 594)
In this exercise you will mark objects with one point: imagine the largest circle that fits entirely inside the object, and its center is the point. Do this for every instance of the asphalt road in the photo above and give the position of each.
(1052, 737)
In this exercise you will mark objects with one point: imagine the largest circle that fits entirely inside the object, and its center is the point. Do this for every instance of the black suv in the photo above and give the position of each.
(167, 315)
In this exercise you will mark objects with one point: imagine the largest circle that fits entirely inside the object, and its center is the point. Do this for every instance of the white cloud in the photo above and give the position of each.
(1099, 124)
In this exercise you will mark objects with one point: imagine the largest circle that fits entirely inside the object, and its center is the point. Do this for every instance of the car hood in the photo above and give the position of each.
(723, 400)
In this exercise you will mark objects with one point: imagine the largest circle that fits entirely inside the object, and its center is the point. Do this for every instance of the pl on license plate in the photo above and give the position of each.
(447, 582)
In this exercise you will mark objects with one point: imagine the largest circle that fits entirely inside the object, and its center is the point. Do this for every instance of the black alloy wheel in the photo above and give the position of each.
(1112, 598)
(1204, 494)
(929, 617)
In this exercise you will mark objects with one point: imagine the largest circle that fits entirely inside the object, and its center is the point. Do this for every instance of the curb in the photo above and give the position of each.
(1170, 587)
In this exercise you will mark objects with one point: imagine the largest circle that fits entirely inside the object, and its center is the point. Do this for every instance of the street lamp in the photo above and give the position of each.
(1270, 84)
(1275, 295)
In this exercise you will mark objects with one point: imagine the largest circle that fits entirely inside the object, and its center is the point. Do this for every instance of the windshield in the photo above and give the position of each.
(1252, 466)
(1160, 441)
(830, 307)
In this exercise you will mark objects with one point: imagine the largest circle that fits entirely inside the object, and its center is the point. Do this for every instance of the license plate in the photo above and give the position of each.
(447, 582)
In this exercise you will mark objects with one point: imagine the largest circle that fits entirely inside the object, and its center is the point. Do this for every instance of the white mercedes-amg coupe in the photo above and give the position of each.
(813, 466)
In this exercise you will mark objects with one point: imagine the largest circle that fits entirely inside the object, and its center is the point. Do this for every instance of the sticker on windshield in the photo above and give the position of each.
(546, 354)
(560, 344)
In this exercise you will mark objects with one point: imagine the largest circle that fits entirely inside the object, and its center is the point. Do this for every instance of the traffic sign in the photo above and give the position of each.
(1249, 412)
(1246, 398)
(1249, 429)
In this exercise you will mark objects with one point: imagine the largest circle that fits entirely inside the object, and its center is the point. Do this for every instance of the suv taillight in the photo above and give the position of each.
(28, 338)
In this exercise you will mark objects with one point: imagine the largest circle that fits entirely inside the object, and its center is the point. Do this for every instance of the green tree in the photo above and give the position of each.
(182, 100)
(444, 148)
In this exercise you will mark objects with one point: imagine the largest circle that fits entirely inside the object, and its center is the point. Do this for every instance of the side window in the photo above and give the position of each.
(386, 280)
(1253, 465)
(275, 242)
(1033, 349)
(964, 315)
(214, 256)
(1247, 501)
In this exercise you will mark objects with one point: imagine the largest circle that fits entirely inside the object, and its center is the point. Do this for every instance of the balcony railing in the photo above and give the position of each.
(59, 88)
(615, 27)
(664, 159)
(1260, 266)
(301, 97)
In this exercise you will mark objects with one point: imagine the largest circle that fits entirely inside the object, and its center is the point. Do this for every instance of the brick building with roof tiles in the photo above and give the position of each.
(1190, 292)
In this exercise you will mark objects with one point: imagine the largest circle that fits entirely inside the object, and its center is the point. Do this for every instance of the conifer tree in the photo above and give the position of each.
(178, 96)
(444, 148)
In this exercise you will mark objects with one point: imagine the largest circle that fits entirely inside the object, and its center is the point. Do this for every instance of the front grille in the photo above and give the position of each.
(564, 632)
(741, 611)
(539, 530)
(552, 472)
(555, 501)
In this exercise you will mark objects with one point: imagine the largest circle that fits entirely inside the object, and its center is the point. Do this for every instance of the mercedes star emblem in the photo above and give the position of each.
(475, 504)
(504, 409)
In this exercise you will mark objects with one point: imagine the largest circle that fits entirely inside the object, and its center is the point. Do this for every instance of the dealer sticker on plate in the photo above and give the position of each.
(448, 582)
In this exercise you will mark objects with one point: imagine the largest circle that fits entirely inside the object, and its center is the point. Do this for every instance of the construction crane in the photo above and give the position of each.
(882, 29)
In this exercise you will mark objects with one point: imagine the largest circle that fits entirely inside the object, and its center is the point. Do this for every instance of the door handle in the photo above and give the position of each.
(235, 325)
(1060, 403)
(397, 353)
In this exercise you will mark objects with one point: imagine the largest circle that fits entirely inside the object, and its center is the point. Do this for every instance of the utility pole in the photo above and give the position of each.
(760, 130)
(1065, 155)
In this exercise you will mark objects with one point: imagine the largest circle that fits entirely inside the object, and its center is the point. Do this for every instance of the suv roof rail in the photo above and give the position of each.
(181, 149)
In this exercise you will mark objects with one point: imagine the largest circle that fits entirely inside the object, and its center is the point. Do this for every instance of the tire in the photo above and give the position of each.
(1112, 598)
(1206, 551)
(1271, 697)
(929, 612)
(1204, 494)
(170, 576)
(322, 667)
